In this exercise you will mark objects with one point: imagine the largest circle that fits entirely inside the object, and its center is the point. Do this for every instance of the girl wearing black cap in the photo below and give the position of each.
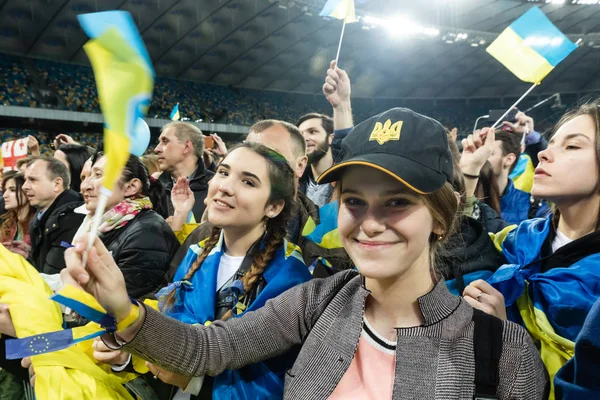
(390, 330)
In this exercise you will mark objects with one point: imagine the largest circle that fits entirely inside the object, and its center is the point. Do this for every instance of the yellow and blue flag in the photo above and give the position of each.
(531, 46)
(340, 9)
(83, 304)
(175, 113)
(71, 373)
(124, 78)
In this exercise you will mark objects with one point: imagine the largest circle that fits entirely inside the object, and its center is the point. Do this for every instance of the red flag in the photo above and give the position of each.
(12, 152)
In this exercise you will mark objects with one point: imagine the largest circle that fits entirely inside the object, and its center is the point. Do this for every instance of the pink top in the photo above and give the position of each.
(371, 373)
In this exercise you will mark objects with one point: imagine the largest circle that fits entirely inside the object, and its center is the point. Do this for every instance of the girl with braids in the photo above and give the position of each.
(390, 329)
(14, 231)
(245, 261)
(133, 227)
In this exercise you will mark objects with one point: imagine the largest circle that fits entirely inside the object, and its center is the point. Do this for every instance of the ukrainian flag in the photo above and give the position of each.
(340, 9)
(175, 113)
(531, 46)
(124, 78)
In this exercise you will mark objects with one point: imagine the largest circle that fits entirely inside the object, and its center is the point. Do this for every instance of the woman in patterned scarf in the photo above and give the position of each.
(133, 227)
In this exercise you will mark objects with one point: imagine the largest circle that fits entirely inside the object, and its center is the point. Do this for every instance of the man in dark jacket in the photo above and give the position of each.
(55, 224)
(179, 151)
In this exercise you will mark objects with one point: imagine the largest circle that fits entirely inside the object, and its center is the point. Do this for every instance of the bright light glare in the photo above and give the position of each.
(401, 25)
(539, 41)
(555, 1)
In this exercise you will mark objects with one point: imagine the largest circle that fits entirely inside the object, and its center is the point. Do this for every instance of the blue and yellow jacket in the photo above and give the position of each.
(516, 205)
(550, 294)
(198, 303)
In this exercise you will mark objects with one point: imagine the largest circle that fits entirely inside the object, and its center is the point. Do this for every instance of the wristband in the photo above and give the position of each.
(129, 320)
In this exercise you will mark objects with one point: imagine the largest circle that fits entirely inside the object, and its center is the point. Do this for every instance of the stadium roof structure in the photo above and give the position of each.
(434, 49)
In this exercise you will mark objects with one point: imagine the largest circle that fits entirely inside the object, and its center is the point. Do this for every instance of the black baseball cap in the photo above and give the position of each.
(408, 146)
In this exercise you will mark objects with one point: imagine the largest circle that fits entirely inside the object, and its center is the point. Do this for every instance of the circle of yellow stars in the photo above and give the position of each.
(39, 344)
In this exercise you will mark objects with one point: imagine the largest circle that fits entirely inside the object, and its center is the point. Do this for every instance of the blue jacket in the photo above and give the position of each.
(516, 204)
(578, 379)
(196, 303)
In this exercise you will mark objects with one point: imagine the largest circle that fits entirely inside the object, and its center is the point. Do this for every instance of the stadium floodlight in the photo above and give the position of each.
(400, 26)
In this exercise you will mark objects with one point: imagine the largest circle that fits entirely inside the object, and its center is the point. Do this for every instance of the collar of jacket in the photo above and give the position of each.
(68, 196)
(198, 180)
(306, 175)
(250, 254)
(308, 208)
(571, 252)
(435, 305)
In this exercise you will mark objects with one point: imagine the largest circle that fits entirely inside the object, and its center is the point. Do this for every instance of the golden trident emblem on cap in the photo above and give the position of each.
(385, 132)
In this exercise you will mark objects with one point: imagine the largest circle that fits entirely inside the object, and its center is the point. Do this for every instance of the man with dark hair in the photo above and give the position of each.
(180, 149)
(55, 224)
(317, 130)
(515, 205)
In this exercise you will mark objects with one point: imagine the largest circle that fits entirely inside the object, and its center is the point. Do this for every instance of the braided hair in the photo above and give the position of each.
(283, 188)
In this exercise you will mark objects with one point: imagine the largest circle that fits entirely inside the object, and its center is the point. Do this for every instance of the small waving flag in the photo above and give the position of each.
(340, 9)
(175, 113)
(531, 46)
(124, 78)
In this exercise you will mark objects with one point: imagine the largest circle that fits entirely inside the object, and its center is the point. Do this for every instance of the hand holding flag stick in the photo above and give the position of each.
(125, 79)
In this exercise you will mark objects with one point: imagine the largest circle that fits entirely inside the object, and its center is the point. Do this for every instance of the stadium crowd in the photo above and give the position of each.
(447, 272)
(48, 84)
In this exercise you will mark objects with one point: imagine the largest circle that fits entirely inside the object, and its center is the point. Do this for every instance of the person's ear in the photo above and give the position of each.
(58, 184)
(301, 166)
(508, 160)
(274, 209)
(132, 187)
(437, 230)
(330, 139)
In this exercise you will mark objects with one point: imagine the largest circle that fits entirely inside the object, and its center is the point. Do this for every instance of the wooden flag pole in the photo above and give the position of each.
(93, 233)
(337, 56)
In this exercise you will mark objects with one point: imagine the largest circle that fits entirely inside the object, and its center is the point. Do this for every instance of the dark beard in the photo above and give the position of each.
(321, 149)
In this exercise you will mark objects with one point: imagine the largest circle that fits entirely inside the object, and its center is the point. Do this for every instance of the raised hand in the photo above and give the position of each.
(221, 149)
(337, 88)
(33, 145)
(182, 197)
(63, 139)
(523, 123)
(477, 148)
(101, 277)
(454, 133)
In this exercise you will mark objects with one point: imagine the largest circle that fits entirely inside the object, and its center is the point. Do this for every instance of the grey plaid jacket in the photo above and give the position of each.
(325, 316)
